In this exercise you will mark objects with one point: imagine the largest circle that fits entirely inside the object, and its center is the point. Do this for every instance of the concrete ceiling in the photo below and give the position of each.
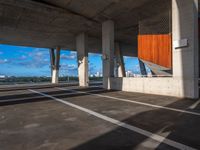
(51, 23)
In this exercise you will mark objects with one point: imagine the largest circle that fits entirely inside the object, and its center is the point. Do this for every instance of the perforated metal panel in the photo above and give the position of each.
(159, 23)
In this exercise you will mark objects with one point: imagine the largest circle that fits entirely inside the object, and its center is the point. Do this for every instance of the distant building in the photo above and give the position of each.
(129, 74)
(2, 76)
(97, 74)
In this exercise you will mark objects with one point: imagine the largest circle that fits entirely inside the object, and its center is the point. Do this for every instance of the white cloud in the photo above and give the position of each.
(136, 68)
(38, 52)
(4, 61)
(23, 57)
(73, 52)
(70, 56)
(37, 58)
(68, 67)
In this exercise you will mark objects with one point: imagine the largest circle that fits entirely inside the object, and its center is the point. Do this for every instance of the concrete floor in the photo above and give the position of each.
(70, 117)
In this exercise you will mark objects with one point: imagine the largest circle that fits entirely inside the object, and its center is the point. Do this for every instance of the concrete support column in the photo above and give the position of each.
(108, 52)
(119, 61)
(82, 56)
(55, 64)
(185, 46)
(142, 68)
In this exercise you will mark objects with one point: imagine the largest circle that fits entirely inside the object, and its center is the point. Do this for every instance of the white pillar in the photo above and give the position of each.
(185, 46)
(119, 61)
(108, 52)
(82, 56)
(55, 74)
(55, 64)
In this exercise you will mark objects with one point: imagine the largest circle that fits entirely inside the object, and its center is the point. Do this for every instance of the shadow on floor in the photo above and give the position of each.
(180, 127)
(32, 97)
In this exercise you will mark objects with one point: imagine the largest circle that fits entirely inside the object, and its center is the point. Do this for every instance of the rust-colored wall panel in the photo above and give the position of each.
(156, 49)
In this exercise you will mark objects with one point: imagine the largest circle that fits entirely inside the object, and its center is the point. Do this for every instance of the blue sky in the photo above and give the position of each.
(29, 61)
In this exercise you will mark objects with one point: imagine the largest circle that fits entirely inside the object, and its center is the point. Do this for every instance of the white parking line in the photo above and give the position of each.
(27, 98)
(136, 102)
(195, 105)
(148, 134)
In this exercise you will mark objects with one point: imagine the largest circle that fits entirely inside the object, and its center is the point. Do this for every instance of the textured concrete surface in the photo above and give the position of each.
(48, 23)
(184, 81)
(108, 52)
(186, 59)
(31, 122)
(169, 86)
(82, 55)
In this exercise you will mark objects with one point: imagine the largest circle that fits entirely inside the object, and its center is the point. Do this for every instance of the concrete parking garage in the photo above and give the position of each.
(163, 34)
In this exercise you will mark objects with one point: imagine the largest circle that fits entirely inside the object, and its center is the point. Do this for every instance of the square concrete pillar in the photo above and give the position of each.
(55, 64)
(185, 46)
(108, 52)
(119, 61)
(82, 56)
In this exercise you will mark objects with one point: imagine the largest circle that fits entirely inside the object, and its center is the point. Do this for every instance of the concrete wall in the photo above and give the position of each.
(160, 86)
(184, 82)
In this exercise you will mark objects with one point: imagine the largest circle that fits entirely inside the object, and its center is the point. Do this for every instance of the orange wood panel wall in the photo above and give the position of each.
(156, 49)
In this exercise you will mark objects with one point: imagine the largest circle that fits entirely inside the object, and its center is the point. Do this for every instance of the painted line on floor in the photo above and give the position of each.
(136, 102)
(195, 105)
(148, 134)
(37, 97)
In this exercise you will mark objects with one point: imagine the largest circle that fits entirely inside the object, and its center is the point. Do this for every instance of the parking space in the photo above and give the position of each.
(71, 117)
